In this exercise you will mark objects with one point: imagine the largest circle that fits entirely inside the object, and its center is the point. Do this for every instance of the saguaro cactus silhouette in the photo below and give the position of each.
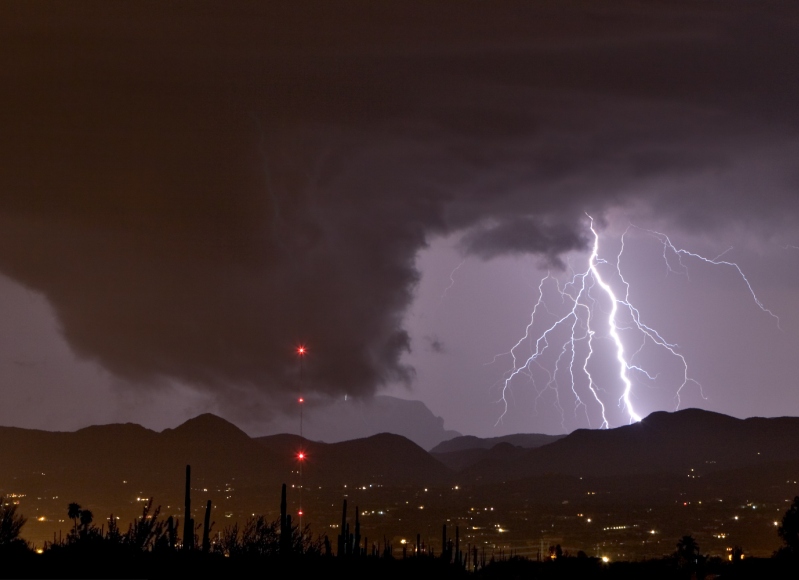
(356, 547)
(171, 532)
(207, 528)
(188, 521)
(457, 545)
(342, 537)
(285, 525)
(288, 546)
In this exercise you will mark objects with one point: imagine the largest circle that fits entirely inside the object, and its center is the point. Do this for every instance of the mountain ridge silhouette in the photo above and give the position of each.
(673, 442)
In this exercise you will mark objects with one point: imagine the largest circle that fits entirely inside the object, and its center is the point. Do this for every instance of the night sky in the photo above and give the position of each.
(189, 192)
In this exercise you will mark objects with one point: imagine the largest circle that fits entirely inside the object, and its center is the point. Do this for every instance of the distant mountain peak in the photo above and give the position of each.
(117, 429)
(338, 420)
(689, 415)
(466, 442)
(207, 424)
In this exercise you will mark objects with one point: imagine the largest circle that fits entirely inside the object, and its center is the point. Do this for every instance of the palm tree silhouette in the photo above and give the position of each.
(73, 512)
(688, 550)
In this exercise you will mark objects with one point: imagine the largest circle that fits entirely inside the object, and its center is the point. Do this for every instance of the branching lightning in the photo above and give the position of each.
(584, 322)
(667, 245)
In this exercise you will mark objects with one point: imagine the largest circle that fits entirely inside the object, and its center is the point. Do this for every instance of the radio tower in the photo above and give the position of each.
(301, 350)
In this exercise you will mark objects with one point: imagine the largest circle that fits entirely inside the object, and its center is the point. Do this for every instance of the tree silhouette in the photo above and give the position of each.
(10, 523)
(73, 512)
(257, 537)
(86, 518)
(145, 532)
(260, 537)
(789, 530)
(113, 536)
(687, 550)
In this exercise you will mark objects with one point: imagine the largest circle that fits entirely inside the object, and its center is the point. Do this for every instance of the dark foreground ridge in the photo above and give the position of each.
(153, 547)
(125, 565)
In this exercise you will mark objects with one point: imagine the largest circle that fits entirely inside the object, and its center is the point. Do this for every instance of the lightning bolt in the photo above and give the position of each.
(668, 246)
(582, 295)
(451, 280)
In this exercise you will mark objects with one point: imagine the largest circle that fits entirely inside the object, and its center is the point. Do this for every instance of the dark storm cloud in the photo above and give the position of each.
(197, 189)
(524, 235)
